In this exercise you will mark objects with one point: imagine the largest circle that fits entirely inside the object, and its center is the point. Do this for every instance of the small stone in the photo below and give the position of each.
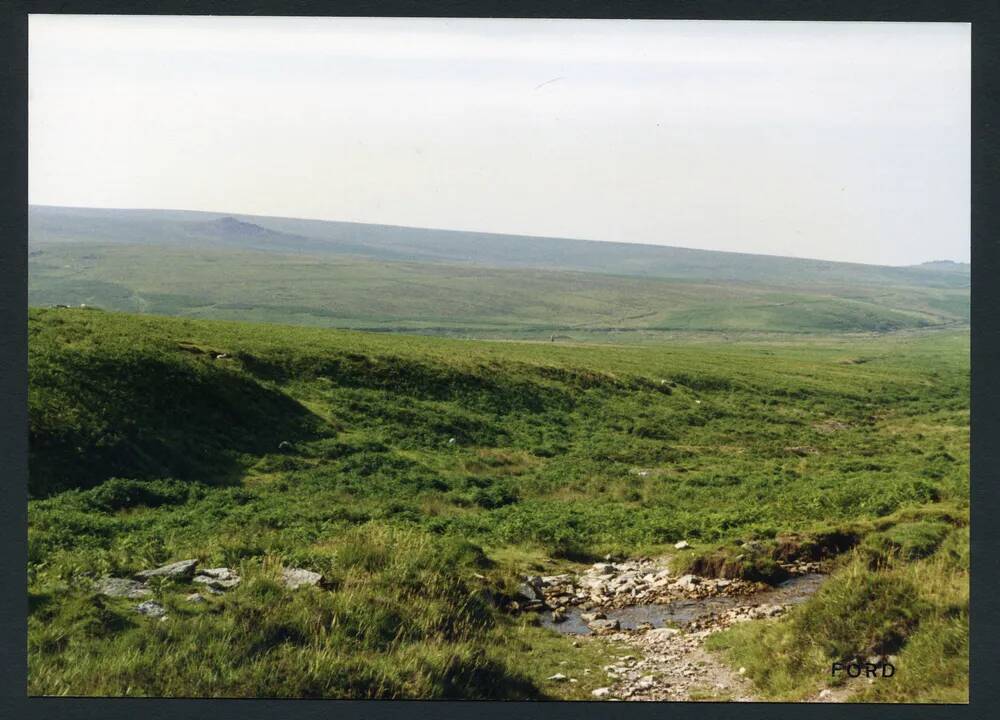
(824, 694)
(297, 577)
(558, 677)
(601, 692)
(590, 617)
(682, 545)
(742, 671)
(195, 598)
(181, 569)
(662, 633)
(601, 627)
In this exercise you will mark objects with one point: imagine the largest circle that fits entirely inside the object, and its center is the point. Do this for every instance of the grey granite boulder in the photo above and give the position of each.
(121, 587)
(298, 577)
(151, 609)
(181, 570)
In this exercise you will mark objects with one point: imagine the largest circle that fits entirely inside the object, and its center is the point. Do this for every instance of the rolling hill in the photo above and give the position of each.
(485, 285)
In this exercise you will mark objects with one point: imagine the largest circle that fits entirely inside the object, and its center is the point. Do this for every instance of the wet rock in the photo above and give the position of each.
(180, 570)
(559, 616)
(591, 616)
(121, 587)
(603, 627)
(298, 577)
(151, 609)
(531, 589)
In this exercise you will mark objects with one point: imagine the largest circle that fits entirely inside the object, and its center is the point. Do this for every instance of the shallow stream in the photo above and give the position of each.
(793, 591)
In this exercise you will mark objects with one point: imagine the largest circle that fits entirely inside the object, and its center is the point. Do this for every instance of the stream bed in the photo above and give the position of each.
(791, 592)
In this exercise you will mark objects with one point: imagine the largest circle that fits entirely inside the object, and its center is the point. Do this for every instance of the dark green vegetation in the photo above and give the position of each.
(204, 265)
(147, 446)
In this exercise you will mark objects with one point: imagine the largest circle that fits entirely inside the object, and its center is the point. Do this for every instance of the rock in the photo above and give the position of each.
(531, 588)
(590, 617)
(151, 609)
(559, 616)
(686, 582)
(602, 627)
(824, 694)
(297, 577)
(451, 441)
(682, 545)
(643, 626)
(558, 677)
(195, 598)
(662, 633)
(219, 578)
(121, 587)
(180, 570)
(742, 671)
(601, 692)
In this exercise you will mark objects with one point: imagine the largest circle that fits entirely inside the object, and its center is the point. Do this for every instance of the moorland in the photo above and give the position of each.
(806, 416)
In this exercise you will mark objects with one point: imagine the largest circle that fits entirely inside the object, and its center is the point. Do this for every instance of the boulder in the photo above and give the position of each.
(151, 609)
(180, 570)
(121, 587)
(531, 589)
(218, 578)
(298, 577)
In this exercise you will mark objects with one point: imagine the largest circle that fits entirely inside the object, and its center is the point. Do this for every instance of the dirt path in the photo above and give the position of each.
(672, 668)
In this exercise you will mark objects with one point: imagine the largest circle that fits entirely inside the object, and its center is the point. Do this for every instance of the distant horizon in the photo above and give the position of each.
(236, 214)
(843, 142)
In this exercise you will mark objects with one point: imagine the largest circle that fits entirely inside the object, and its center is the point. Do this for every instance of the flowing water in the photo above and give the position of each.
(679, 612)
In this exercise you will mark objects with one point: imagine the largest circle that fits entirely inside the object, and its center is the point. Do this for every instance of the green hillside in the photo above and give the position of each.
(352, 291)
(422, 475)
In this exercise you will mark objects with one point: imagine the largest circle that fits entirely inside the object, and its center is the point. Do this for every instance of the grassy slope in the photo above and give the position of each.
(352, 291)
(737, 441)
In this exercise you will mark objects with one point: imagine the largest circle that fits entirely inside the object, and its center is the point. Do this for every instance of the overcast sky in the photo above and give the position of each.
(841, 141)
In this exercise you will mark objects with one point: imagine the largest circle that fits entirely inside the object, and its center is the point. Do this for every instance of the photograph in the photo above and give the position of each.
(427, 358)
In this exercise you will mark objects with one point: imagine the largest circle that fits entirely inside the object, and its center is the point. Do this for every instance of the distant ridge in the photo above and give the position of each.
(398, 243)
